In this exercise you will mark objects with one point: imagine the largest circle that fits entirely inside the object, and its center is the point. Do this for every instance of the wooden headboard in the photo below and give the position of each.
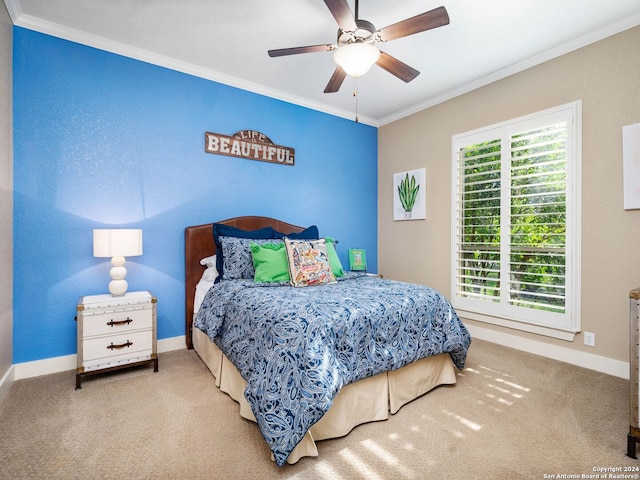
(199, 244)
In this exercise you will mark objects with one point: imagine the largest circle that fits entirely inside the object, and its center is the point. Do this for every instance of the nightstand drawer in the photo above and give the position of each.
(117, 321)
(102, 351)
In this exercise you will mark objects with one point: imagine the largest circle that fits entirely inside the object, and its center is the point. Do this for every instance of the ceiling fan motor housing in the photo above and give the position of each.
(364, 34)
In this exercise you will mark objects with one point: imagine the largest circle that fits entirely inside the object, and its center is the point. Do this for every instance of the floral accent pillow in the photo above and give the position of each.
(308, 262)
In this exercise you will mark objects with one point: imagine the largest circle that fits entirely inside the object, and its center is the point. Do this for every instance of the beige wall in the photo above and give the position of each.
(6, 194)
(606, 77)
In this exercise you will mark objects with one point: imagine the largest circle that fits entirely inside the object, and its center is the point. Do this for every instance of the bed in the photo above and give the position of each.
(298, 359)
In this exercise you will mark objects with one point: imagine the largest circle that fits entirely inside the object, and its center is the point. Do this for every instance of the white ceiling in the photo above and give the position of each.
(227, 41)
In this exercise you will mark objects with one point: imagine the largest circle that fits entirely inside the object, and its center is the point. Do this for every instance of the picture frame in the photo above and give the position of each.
(357, 259)
(410, 195)
(631, 165)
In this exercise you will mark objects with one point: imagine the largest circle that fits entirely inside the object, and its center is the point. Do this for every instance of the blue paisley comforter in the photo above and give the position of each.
(297, 347)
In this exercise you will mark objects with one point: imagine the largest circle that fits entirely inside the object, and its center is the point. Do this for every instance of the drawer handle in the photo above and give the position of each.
(113, 347)
(119, 322)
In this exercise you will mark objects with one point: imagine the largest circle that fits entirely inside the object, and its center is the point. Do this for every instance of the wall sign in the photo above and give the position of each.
(248, 144)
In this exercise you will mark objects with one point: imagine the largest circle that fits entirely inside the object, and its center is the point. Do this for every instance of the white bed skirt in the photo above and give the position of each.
(367, 400)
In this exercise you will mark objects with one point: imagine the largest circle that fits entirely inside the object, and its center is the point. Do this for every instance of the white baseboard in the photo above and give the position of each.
(567, 355)
(587, 360)
(171, 344)
(45, 366)
(69, 362)
(6, 382)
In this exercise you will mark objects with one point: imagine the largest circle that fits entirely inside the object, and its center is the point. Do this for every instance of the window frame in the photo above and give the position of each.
(563, 326)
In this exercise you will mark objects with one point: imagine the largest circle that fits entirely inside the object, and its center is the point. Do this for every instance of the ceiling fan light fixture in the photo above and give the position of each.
(356, 58)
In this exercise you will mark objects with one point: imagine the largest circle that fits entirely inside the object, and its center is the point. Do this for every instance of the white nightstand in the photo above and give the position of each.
(116, 332)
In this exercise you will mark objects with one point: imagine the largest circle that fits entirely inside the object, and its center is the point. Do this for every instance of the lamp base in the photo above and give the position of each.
(118, 285)
(118, 288)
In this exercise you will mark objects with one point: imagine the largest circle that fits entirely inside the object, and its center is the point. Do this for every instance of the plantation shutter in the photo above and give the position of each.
(538, 218)
(478, 238)
(516, 220)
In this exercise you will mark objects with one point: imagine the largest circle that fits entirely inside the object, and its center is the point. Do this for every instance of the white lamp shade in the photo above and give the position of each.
(118, 242)
(356, 58)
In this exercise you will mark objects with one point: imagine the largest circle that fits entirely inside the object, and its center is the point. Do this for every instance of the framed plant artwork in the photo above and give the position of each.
(410, 195)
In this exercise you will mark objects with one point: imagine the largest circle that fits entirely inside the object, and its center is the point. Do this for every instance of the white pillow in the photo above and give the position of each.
(209, 261)
(210, 274)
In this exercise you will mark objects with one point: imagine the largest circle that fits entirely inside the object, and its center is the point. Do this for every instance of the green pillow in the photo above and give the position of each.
(270, 262)
(334, 261)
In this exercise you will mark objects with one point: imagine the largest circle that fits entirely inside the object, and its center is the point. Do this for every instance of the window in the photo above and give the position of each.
(516, 222)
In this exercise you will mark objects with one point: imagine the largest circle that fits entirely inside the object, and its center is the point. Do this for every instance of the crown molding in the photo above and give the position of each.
(32, 23)
(77, 36)
(15, 9)
(550, 54)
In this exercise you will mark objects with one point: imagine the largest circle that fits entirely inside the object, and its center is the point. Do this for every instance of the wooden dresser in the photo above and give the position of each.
(634, 372)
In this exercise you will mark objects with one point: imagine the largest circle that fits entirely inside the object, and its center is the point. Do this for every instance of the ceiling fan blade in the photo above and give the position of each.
(425, 21)
(295, 50)
(335, 82)
(342, 13)
(395, 67)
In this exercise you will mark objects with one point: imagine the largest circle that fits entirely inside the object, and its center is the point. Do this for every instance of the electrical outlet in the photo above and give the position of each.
(590, 339)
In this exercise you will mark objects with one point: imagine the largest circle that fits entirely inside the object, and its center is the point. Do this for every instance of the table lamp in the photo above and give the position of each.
(117, 243)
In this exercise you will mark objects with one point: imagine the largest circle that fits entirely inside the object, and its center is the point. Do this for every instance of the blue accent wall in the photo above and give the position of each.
(101, 140)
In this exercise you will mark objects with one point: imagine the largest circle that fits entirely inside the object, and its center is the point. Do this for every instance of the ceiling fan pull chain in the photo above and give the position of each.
(355, 94)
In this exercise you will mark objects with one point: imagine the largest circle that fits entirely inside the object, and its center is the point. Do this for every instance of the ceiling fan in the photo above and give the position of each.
(356, 39)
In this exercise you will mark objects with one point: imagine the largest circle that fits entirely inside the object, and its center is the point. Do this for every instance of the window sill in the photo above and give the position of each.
(565, 335)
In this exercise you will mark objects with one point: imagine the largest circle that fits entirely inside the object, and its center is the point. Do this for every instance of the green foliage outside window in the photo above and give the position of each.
(536, 225)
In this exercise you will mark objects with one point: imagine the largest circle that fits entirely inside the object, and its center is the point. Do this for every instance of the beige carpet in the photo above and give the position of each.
(512, 415)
